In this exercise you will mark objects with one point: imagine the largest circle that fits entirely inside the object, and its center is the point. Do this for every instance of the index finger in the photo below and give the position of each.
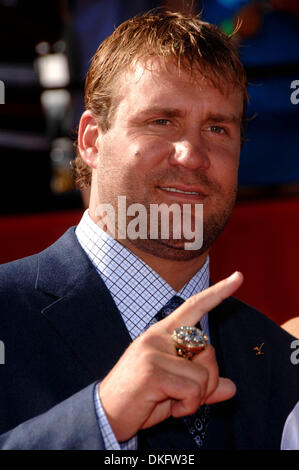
(191, 311)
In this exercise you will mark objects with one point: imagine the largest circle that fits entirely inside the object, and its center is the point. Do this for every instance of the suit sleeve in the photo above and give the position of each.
(70, 425)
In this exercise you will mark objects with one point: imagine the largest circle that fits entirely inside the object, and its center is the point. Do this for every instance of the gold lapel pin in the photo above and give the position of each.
(259, 350)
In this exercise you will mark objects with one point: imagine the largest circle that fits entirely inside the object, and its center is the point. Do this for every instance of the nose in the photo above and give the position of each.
(190, 153)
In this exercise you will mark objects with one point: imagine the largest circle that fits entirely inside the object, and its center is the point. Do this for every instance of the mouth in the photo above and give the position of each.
(183, 192)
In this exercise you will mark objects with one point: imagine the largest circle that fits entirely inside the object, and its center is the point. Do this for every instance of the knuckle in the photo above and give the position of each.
(194, 406)
(148, 340)
(147, 368)
(194, 390)
(192, 301)
(204, 375)
(208, 356)
(210, 353)
(194, 398)
(143, 339)
(148, 356)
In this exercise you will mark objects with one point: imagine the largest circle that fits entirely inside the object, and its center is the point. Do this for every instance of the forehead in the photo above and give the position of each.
(152, 80)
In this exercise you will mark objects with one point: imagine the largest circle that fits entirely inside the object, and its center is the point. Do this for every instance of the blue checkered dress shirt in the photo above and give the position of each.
(138, 291)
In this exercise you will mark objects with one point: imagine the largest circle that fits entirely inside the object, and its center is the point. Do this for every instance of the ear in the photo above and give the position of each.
(87, 138)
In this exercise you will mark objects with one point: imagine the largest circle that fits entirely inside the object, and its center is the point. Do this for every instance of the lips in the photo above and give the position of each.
(185, 191)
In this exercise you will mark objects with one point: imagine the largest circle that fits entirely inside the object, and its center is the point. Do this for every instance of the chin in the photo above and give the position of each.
(168, 249)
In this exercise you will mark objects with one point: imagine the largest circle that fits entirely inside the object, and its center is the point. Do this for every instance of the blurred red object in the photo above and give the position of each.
(291, 6)
(250, 20)
(261, 241)
(24, 235)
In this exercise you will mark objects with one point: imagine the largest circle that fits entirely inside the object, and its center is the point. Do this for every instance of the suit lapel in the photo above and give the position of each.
(83, 313)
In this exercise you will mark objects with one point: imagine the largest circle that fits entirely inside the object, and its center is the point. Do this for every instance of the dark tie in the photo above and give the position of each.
(171, 305)
(196, 423)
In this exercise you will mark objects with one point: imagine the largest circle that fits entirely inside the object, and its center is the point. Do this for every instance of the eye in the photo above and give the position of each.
(217, 129)
(161, 122)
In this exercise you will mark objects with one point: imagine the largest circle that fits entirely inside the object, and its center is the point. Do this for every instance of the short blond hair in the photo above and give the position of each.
(183, 38)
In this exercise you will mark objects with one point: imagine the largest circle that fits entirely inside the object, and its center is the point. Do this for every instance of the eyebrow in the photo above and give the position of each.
(167, 112)
(224, 118)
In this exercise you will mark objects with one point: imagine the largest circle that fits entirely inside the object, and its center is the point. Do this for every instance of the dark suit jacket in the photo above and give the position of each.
(63, 333)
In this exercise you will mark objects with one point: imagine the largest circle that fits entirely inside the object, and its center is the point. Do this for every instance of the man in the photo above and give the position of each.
(88, 365)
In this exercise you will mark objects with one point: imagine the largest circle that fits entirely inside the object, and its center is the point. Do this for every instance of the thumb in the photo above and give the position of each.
(225, 390)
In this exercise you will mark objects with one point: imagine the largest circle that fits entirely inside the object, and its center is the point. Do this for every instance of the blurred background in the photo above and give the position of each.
(46, 48)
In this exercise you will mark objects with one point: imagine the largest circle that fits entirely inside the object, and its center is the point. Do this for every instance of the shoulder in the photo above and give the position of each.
(18, 275)
(244, 318)
(241, 331)
(41, 272)
(22, 271)
(247, 335)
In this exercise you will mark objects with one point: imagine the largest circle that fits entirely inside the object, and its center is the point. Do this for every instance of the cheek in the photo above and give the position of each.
(149, 153)
(225, 167)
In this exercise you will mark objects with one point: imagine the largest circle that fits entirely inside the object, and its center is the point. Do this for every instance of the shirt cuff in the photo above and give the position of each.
(110, 441)
(290, 435)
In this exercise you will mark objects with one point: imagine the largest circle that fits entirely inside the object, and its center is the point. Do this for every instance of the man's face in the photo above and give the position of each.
(171, 136)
